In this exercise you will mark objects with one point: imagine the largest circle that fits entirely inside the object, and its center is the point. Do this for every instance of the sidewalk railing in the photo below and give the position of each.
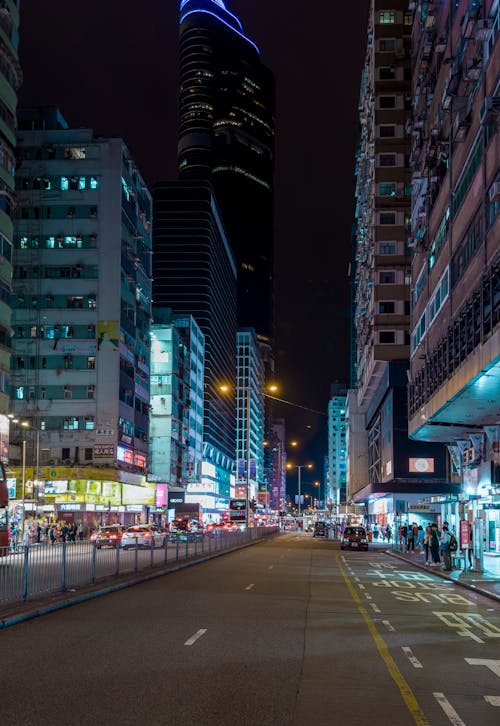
(36, 569)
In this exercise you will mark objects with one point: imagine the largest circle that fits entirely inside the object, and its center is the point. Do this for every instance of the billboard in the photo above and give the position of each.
(421, 466)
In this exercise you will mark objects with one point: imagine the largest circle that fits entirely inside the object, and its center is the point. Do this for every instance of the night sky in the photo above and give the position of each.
(113, 65)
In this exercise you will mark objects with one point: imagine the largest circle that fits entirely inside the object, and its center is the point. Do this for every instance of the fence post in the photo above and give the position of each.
(94, 555)
(117, 560)
(63, 567)
(136, 556)
(177, 549)
(26, 573)
(165, 544)
(152, 550)
(187, 545)
(203, 544)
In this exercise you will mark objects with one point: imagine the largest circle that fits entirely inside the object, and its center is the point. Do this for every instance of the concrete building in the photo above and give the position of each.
(396, 471)
(10, 81)
(81, 319)
(455, 331)
(176, 417)
(250, 382)
(337, 450)
(195, 274)
(277, 483)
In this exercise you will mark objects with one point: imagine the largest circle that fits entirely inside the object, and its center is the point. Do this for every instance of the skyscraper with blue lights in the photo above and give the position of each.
(226, 136)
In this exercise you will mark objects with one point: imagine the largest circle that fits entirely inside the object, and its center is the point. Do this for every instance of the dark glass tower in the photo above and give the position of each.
(195, 274)
(226, 135)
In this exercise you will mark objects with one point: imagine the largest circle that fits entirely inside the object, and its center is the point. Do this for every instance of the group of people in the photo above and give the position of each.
(43, 531)
(383, 532)
(438, 545)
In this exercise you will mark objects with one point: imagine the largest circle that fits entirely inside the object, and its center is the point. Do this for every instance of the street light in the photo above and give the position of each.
(318, 484)
(299, 468)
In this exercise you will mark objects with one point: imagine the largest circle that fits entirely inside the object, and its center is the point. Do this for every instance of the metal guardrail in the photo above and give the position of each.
(35, 569)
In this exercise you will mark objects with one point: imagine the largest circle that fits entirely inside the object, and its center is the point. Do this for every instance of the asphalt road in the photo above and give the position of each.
(288, 632)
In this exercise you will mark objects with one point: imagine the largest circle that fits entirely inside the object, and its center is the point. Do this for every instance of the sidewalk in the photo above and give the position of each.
(486, 583)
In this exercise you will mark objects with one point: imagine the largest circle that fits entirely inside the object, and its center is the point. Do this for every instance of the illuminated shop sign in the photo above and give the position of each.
(131, 457)
(56, 486)
(421, 466)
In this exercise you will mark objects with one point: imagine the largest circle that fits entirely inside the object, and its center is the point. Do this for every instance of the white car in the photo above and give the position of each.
(141, 535)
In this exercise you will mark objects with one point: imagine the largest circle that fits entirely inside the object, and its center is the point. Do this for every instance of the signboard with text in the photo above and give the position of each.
(464, 535)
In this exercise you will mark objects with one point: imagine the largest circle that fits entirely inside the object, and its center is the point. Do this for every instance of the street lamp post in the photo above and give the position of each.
(248, 418)
(299, 468)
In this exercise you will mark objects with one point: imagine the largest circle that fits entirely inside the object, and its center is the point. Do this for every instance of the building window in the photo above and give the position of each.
(387, 159)
(387, 218)
(387, 102)
(70, 424)
(387, 248)
(88, 454)
(408, 18)
(387, 131)
(387, 336)
(65, 453)
(89, 423)
(20, 393)
(91, 362)
(387, 189)
(387, 277)
(386, 307)
(91, 391)
(387, 73)
(68, 392)
(386, 45)
(387, 17)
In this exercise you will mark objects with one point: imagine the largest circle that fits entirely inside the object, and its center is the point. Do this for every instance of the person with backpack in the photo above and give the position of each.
(434, 545)
(444, 548)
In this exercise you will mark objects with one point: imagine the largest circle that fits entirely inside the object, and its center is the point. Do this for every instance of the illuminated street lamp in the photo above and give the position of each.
(299, 468)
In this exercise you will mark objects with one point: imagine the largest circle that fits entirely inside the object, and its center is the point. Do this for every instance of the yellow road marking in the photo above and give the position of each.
(396, 675)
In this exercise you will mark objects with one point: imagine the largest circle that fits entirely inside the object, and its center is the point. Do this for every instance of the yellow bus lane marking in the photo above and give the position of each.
(404, 688)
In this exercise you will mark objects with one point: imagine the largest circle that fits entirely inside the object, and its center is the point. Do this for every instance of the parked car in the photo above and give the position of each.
(186, 529)
(109, 536)
(354, 538)
(141, 535)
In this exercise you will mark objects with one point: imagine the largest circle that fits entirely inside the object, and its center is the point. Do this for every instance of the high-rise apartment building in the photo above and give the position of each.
(176, 418)
(337, 450)
(397, 470)
(277, 481)
(10, 81)
(195, 275)
(455, 331)
(250, 382)
(227, 136)
(81, 316)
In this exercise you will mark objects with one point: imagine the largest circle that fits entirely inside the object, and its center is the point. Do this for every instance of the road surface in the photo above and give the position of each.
(291, 631)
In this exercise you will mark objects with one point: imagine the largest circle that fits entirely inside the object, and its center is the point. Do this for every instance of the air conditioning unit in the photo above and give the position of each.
(67, 462)
(495, 192)
(490, 105)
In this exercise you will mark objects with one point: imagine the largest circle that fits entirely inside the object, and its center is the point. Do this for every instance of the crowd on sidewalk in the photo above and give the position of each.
(44, 532)
(438, 545)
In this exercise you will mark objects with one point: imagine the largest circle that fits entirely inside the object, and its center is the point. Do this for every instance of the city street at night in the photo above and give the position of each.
(290, 631)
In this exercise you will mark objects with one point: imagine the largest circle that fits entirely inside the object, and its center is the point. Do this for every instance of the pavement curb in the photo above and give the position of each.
(7, 622)
(443, 576)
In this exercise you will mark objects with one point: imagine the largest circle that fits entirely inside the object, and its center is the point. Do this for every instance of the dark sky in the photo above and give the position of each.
(112, 65)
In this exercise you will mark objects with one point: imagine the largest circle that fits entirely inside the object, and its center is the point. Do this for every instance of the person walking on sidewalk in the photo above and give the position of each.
(444, 547)
(427, 544)
(434, 545)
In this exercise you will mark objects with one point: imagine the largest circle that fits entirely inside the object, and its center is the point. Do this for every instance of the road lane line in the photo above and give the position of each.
(412, 658)
(389, 627)
(448, 709)
(361, 587)
(404, 688)
(357, 579)
(376, 609)
(368, 597)
(249, 587)
(195, 637)
(492, 700)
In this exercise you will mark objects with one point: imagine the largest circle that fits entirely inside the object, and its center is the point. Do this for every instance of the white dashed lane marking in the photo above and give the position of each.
(249, 587)
(413, 660)
(453, 716)
(195, 637)
(389, 627)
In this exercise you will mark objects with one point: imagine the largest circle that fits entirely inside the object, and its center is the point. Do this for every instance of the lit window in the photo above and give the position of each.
(93, 182)
(70, 424)
(387, 17)
(68, 392)
(387, 189)
(64, 183)
(89, 423)
(20, 393)
(81, 183)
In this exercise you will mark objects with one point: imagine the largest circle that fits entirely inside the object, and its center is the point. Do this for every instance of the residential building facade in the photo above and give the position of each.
(455, 331)
(81, 318)
(337, 451)
(10, 81)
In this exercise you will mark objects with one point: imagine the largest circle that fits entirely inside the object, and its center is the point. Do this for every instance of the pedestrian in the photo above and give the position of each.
(469, 551)
(375, 531)
(434, 545)
(52, 534)
(64, 532)
(427, 545)
(388, 533)
(444, 548)
(421, 535)
(38, 533)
